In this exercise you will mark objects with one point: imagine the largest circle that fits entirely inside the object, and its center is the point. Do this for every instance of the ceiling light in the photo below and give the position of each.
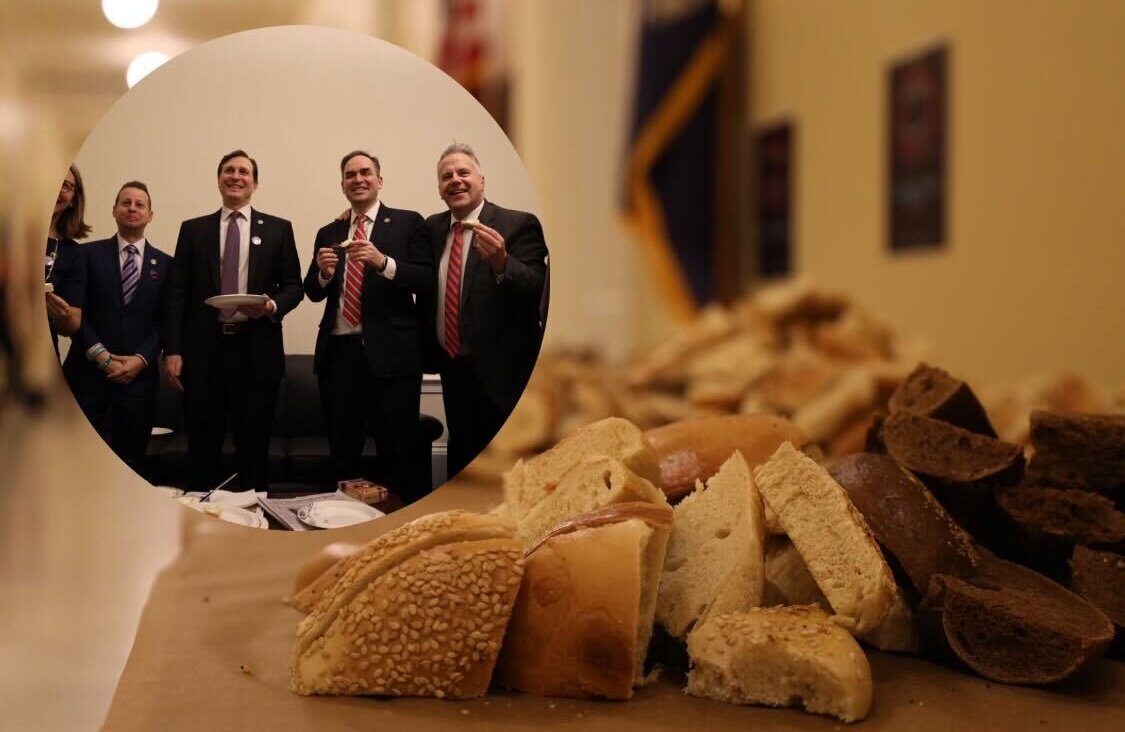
(143, 65)
(129, 13)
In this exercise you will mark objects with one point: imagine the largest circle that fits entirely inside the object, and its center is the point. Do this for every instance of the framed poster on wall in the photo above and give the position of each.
(917, 140)
(775, 196)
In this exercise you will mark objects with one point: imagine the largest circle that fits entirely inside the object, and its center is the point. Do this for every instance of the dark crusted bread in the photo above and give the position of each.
(1099, 577)
(931, 392)
(1073, 450)
(1011, 624)
(949, 453)
(906, 519)
(1043, 525)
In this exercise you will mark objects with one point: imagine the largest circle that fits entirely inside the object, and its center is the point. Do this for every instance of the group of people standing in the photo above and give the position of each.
(461, 293)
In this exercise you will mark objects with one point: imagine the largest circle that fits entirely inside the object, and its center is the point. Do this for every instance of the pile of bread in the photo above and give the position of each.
(731, 536)
(815, 357)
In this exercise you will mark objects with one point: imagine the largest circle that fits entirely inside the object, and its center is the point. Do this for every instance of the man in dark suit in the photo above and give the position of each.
(369, 348)
(229, 362)
(112, 363)
(485, 324)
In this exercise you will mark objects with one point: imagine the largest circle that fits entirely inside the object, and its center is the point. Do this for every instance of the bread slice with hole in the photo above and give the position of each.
(830, 535)
(420, 611)
(583, 619)
(716, 554)
(781, 656)
(530, 481)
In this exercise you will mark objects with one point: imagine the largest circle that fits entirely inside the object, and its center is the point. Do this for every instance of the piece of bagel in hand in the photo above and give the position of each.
(420, 611)
(694, 449)
(583, 619)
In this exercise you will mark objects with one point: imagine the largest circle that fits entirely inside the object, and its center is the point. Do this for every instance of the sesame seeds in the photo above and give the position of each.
(421, 629)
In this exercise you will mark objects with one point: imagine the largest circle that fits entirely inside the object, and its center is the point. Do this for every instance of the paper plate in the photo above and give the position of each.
(233, 301)
(336, 514)
(238, 499)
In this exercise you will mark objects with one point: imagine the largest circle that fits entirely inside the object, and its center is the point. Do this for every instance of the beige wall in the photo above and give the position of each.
(288, 96)
(1032, 276)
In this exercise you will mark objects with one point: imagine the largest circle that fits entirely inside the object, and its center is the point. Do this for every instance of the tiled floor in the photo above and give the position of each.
(80, 544)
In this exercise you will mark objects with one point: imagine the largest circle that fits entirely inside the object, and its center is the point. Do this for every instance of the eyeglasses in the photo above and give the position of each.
(68, 187)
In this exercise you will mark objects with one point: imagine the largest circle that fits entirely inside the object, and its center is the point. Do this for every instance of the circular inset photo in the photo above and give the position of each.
(296, 278)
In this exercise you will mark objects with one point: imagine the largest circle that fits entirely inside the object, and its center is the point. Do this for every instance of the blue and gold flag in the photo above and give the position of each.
(670, 177)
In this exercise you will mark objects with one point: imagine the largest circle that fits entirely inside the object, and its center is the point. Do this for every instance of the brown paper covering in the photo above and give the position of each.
(212, 652)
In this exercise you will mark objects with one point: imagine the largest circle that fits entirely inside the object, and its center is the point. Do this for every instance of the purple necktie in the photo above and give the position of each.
(129, 274)
(230, 262)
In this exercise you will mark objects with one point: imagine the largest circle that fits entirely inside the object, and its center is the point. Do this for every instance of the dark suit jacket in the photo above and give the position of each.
(106, 319)
(500, 322)
(192, 327)
(392, 322)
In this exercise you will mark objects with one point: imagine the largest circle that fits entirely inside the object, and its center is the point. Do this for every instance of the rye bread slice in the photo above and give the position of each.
(907, 520)
(1099, 577)
(1013, 625)
(1085, 451)
(931, 392)
(951, 454)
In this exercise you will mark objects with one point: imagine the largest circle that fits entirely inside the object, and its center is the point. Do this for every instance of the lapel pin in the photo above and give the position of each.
(152, 274)
(387, 220)
(256, 240)
(260, 222)
(152, 262)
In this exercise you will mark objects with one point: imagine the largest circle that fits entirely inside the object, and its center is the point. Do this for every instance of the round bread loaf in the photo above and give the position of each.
(695, 449)
(419, 611)
(323, 570)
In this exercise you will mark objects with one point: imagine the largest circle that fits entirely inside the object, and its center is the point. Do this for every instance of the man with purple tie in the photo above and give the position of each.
(112, 362)
(229, 362)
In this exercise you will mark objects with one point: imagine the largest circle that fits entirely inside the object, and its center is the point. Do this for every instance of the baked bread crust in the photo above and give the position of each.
(931, 392)
(905, 518)
(831, 536)
(319, 574)
(530, 481)
(694, 449)
(1085, 451)
(781, 657)
(583, 619)
(716, 555)
(420, 611)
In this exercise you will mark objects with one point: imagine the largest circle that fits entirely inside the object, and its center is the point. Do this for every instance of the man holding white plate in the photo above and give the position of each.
(234, 277)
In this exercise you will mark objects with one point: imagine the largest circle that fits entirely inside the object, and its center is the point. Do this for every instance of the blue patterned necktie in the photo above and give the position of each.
(130, 275)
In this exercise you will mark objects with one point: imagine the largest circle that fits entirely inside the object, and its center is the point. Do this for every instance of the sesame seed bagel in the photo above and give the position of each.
(320, 574)
(420, 611)
(781, 656)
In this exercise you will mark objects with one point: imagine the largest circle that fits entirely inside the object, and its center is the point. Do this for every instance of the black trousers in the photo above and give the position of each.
(231, 394)
(123, 416)
(472, 416)
(357, 404)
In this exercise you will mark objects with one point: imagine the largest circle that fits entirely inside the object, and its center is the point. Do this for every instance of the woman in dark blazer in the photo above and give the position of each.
(64, 272)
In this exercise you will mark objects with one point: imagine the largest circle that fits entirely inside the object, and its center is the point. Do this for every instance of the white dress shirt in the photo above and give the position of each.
(340, 324)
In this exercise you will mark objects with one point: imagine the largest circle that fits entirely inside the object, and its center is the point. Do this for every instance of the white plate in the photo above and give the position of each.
(238, 499)
(233, 301)
(336, 514)
(230, 514)
(161, 431)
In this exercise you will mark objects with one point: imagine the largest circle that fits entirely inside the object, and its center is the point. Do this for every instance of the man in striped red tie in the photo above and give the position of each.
(367, 267)
(113, 359)
(485, 324)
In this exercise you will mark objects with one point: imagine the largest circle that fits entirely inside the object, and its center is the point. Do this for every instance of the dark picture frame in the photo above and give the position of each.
(917, 142)
(775, 199)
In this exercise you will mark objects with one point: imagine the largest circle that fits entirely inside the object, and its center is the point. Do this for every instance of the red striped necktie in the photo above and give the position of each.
(353, 285)
(453, 294)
